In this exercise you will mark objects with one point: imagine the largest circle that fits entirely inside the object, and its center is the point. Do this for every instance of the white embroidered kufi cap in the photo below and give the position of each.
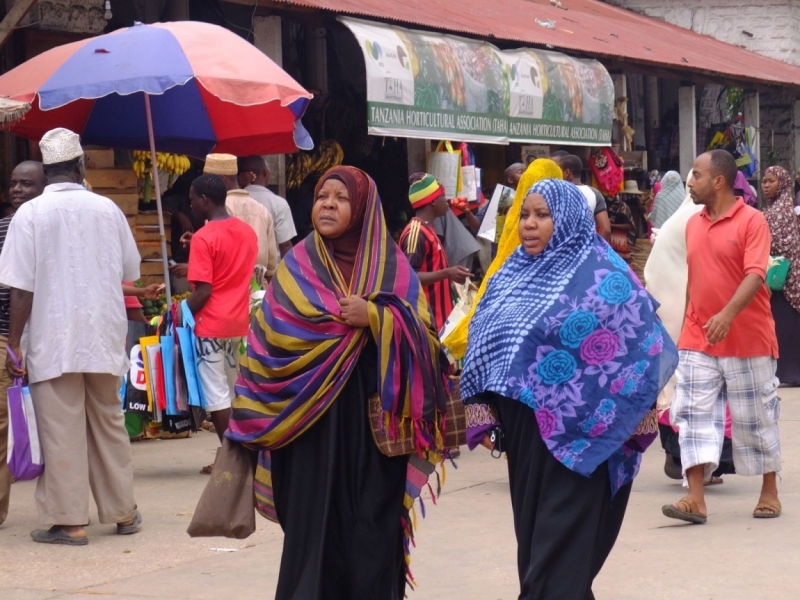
(60, 145)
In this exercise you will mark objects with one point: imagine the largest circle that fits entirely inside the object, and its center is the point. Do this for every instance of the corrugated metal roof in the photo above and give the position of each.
(587, 26)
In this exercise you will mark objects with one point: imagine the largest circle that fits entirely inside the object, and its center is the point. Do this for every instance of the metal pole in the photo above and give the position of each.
(157, 186)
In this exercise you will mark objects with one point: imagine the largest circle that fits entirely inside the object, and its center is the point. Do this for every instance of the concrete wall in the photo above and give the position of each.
(773, 25)
(768, 27)
(75, 16)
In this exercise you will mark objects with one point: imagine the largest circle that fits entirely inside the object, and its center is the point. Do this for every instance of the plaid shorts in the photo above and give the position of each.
(749, 386)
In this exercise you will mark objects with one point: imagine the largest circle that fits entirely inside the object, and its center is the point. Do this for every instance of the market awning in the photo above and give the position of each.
(589, 26)
(428, 86)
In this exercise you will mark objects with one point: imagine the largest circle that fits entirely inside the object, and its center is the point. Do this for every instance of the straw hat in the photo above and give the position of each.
(60, 145)
(221, 164)
(632, 187)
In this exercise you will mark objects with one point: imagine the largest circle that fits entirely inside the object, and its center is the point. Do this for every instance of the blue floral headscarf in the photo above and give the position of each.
(572, 333)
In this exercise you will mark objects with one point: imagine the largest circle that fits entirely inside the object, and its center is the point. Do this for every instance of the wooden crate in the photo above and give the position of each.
(148, 233)
(152, 250)
(150, 217)
(152, 267)
(98, 158)
(117, 179)
(128, 202)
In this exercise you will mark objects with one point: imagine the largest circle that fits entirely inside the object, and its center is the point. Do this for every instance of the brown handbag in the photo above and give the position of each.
(227, 505)
(455, 435)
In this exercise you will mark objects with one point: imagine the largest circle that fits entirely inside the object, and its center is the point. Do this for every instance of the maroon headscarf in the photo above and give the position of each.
(345, 248)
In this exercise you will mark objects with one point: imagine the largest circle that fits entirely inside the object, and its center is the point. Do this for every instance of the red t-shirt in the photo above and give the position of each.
(720, 254)
(223, 253)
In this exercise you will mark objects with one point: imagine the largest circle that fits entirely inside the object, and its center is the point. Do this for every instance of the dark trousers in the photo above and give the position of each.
(566, 524)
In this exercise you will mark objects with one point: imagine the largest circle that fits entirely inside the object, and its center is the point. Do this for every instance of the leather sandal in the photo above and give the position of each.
(770, 504)
(133, 527)
(57, 535)
(686, 510)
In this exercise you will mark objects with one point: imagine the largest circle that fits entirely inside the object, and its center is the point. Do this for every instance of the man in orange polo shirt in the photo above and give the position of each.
(728, 345)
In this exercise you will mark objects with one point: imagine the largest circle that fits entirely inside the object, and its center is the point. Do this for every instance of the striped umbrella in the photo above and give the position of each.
(185, 87)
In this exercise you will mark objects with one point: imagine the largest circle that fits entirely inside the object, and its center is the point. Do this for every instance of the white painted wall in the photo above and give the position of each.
(774, 24)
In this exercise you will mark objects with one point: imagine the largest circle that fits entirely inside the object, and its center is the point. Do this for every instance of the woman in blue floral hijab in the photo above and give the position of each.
(565, 361)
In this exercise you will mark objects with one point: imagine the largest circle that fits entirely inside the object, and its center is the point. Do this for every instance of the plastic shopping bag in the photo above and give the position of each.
(25, 459)
(445, 165)
(466, 296)
(187, 339)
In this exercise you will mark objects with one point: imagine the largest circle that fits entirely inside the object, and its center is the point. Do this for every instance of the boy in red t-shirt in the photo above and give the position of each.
(221, 261)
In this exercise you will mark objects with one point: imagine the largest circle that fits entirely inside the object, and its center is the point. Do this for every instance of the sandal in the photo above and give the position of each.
(207, 469)
(57, 535)
(770, 504)
(133, 527)
(714, 481)
(685, 511)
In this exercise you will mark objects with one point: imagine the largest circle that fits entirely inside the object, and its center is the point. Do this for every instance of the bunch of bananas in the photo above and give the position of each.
(328, 154)
(173, 164)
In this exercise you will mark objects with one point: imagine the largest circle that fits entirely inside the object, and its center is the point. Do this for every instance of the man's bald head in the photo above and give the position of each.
(27, 182)
(513, 174)
(253, 169)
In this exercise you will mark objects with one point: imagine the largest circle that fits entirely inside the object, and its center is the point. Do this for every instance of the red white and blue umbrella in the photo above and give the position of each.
(184, 88)
(210, 91)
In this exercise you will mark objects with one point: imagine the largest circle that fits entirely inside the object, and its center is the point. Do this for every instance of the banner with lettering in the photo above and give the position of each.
(433, 86)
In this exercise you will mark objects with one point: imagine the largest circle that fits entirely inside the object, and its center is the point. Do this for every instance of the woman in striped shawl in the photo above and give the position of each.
(343, 319)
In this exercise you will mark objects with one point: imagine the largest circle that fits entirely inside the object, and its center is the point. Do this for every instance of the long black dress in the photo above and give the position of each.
(339, 502)
(566, 524)
(787, 328)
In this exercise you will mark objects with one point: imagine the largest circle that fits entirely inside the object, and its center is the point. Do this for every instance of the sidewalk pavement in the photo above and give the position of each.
(465, 547)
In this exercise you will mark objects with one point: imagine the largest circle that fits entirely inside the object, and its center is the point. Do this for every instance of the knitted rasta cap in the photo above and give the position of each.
(425, 191)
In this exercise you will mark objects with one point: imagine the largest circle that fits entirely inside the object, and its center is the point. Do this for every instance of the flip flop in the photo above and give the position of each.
(770, 504)
(685, 511)
(714, 481)
(207, 469)
(56, 535)
(133, 527)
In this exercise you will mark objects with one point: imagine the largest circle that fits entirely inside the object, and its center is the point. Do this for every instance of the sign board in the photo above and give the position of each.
(432, 86)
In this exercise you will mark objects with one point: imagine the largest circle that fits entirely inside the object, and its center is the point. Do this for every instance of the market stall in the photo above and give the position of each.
(184, 88)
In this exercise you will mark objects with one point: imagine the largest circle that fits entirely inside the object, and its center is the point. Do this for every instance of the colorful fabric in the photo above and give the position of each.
(223, 253)
(783, 226)
(538, 170)
(425, 191)
(300, 353)
(668, 199)
(748, 386)
(572, 333)
(720, 254)
(426, 254)
(748, 194)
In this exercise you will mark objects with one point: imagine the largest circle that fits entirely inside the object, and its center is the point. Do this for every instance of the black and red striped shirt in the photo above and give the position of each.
(425, 252)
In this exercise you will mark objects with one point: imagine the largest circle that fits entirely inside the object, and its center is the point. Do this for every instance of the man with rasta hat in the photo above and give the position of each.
(425, 250)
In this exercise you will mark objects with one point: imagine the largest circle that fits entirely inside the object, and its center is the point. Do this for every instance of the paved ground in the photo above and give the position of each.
(466, 547)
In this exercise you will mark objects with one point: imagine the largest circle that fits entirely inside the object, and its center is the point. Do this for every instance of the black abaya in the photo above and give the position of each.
(339, 502)
(787, 328)
(566, 524)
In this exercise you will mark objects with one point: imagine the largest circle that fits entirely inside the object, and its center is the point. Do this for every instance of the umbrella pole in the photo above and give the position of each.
(157, 186)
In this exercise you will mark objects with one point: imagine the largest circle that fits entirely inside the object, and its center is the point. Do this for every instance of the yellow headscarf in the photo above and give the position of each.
(539, 169)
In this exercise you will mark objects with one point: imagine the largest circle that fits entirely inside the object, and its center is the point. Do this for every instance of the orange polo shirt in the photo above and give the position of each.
(720, 254)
